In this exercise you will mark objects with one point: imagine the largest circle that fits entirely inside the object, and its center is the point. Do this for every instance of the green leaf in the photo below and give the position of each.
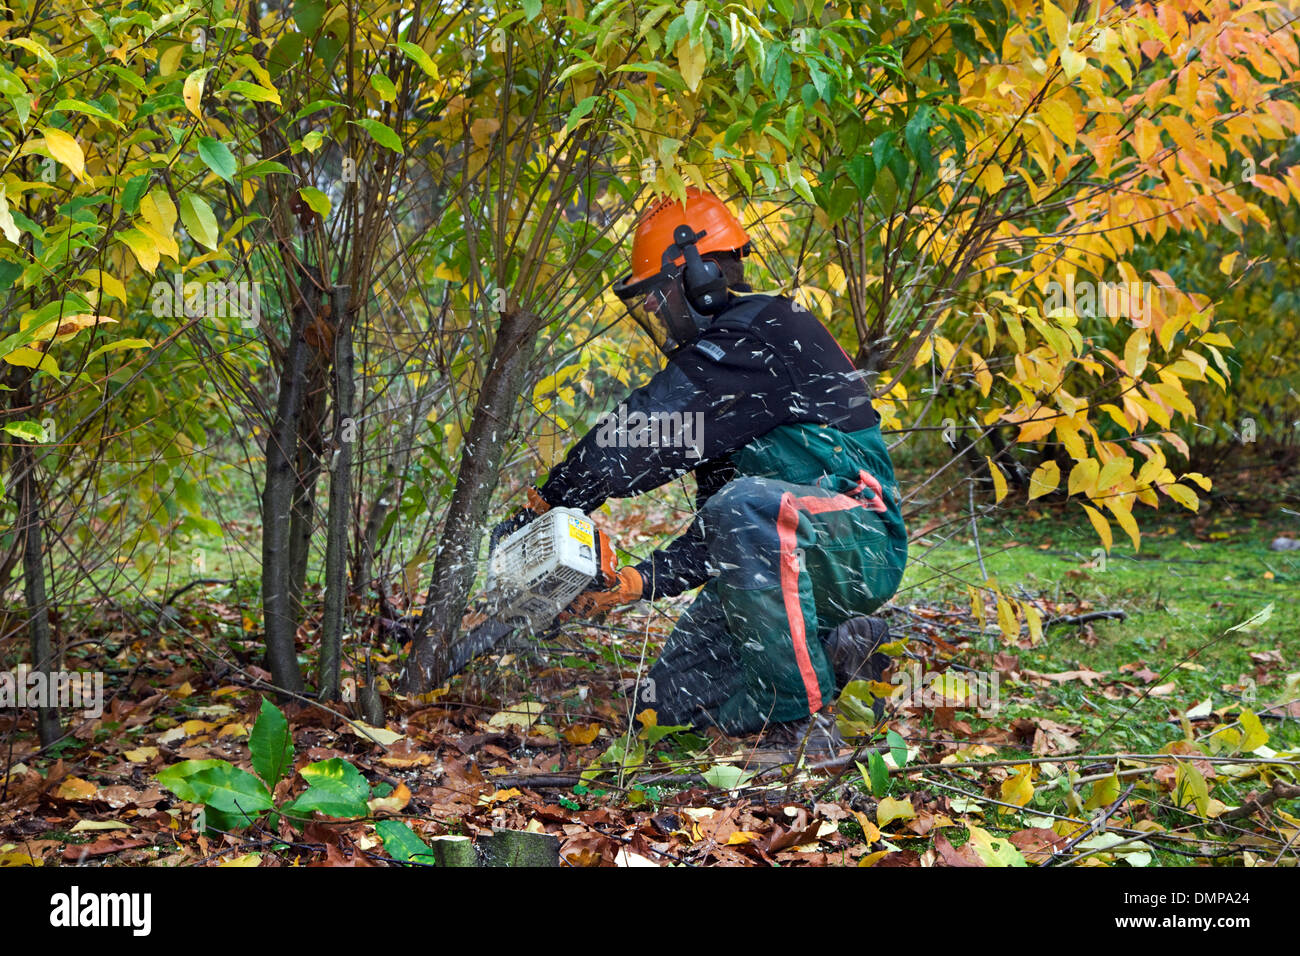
(336, 789)
(578, 112)
(316, 199)
(218, 158)
(27, 431)
(994, 851)
(658, 732)
(727, 776)
(81, 106)
(251, 91)
(381, 134)
(176, 777)
(917, 135)
(862, 172)
(532, 9)
(308, 14)
(879, 774)
(263, 167)
(421, 58)
(131, 194)
(231, 790)
(199, 220)
(402, 843)
(384, 87)
(118, 345)
(897, 748)
(271, 744)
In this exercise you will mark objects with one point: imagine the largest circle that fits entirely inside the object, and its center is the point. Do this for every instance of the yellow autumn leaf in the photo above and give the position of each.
(1083, 477)
(96, 826)
(1034, 620)
(1044, 480)
(1073, 63)
(481, 130)
(1256, 736)
(380, 735)
(1184, 496)
(1146, 138)
(999, 481)
(1135, 352)
(192, 93)
(1104, 793)
(18, 858)
(142, 247)
(499, 796)
(395, 802)
(870, 832)
(111, 285)
(1191, 789)
(1008, 622)
(1124, 516)
(1057, 23)
(521, 715)
(691, 61)
(1019, 789)
(582, 734)
(65, 150)
(1101, 526)
(890, 809)
(75, 788)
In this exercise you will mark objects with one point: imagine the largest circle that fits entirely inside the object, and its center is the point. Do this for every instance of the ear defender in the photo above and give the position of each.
(703, 282)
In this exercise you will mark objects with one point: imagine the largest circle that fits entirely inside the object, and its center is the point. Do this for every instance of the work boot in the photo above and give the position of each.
(851, 648)
(817, 735)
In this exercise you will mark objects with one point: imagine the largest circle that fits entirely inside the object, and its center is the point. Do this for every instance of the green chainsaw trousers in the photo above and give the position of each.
(793, 561)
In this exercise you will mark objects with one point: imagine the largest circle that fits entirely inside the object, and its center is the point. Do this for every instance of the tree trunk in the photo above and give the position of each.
(302, 520)
(278, 610)
(27, 497)
(456, 562)
(319, 335)
(340, 504)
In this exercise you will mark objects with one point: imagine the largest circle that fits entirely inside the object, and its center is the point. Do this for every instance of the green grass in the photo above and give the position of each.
(1193, 579)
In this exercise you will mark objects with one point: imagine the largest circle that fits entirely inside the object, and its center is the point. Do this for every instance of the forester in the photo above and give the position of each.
(798, 533)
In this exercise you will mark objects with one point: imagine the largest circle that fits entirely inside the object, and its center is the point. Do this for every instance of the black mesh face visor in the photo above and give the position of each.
(658, 305)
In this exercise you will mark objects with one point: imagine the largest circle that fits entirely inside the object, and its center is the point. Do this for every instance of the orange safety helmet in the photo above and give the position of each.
(702, 211)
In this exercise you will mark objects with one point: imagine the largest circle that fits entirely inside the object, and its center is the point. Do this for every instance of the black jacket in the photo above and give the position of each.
(764, 362)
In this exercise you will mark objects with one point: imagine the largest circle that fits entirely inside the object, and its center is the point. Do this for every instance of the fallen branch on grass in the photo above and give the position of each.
(773, 761)
(1078, 619)
(1253, 804)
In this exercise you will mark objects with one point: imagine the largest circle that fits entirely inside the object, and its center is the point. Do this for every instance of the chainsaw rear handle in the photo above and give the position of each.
(508, 527)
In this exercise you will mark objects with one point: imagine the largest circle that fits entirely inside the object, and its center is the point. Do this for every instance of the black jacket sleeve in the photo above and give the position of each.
(714, 397)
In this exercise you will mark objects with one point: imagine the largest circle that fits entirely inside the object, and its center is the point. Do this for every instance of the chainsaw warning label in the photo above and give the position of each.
(580, 531)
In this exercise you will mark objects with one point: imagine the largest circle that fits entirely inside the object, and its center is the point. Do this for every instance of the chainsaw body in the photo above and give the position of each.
(537, 565)
(537, 570)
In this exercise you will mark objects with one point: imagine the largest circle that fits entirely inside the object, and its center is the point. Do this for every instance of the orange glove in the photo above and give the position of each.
(626, 589)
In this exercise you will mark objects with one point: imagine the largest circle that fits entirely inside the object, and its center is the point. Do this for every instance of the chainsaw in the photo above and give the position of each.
(537, 565)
